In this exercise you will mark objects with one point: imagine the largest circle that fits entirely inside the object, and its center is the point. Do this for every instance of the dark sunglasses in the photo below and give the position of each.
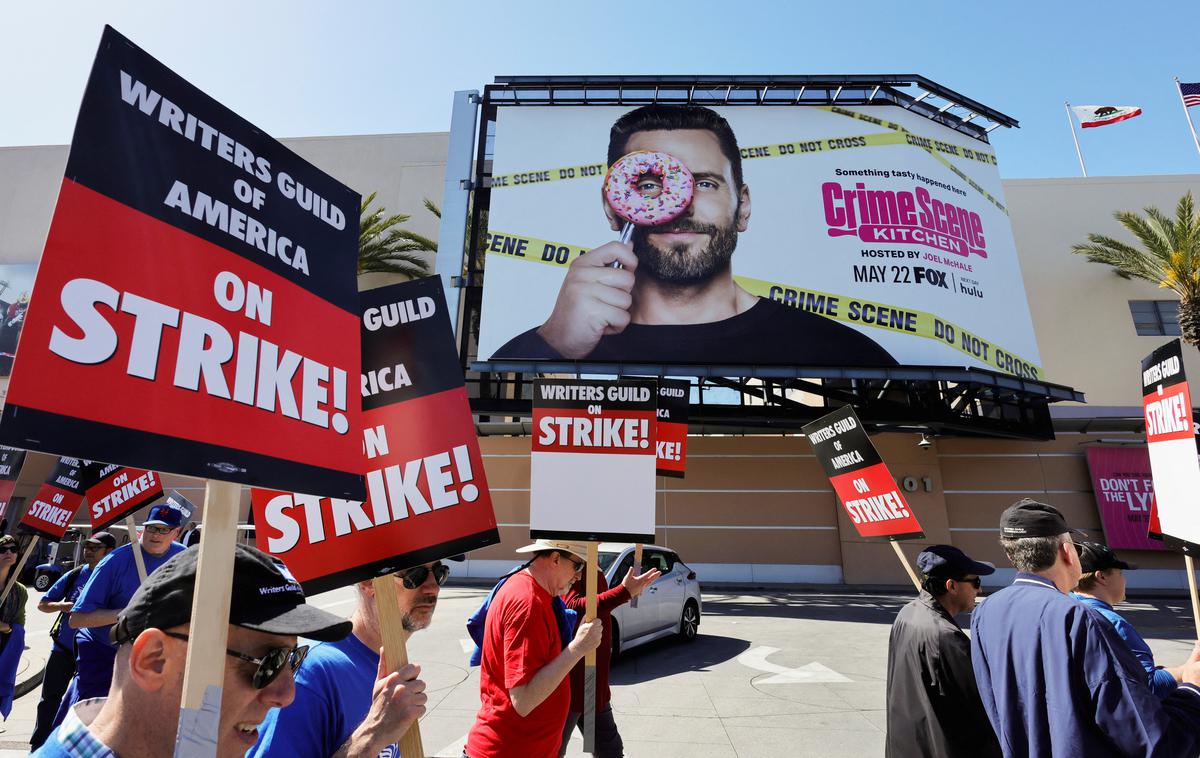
(415, 577)
(975, 581)
(269, 666)
(8, 548)
(577, 564)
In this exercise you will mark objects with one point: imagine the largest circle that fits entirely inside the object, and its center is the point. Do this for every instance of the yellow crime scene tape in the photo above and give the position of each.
(898, 135)
(850, 310)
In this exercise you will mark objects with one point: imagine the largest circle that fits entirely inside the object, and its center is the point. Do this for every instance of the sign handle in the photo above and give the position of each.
(907, 566)
(137, 547)
(637, 568)
(395, 651)
(1190, 563)
(589, 660)
(16, 572)
(204, 672)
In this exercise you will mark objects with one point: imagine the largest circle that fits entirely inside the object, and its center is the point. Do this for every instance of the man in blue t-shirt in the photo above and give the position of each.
(108, 590)
(1102, 586)
(345, 696)
(60, 665)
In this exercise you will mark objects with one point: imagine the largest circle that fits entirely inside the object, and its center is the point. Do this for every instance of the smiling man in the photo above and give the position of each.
(347, 703)
(671, 295)
(139, 719)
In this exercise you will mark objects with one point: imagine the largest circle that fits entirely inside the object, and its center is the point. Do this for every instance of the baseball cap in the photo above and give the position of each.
(578, 549)
(102, 538)
(1096, 557)
(1029, 518)
(265, 598)
(949, 561)
(164, 515)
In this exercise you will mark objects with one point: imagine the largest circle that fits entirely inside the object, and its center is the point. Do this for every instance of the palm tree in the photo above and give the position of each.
(1169, 256)
(382, 248)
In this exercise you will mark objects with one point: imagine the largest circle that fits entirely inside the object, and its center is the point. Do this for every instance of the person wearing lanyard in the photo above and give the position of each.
(1055, 678)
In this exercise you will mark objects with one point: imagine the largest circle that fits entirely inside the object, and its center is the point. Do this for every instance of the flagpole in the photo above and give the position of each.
(1187, 114)
(1071, 121)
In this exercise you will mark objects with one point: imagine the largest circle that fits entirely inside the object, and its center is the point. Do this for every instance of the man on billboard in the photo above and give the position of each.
(669, 294)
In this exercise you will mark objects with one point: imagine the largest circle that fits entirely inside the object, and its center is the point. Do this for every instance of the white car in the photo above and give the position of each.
(670, 606)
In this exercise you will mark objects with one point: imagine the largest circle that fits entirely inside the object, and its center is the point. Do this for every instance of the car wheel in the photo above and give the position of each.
(42, 582)
(689, 623)
(616, 640)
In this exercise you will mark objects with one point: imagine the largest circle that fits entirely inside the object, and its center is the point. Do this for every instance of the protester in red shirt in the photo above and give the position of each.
(523, 684)
(608, 739)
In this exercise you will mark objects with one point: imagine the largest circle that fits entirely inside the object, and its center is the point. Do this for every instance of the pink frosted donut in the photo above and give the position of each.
(648, 188)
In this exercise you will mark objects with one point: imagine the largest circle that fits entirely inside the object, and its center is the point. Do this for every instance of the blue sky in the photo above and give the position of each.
(301, 69)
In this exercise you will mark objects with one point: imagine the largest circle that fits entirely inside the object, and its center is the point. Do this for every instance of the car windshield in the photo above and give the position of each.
(606, 561)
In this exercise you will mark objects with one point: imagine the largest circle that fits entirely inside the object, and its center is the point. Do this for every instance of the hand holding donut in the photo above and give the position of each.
(594, 300)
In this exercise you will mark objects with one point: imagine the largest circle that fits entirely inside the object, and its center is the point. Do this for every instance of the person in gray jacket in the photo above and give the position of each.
(933, 705)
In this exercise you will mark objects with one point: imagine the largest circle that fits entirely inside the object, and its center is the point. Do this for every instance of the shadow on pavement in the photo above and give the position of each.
(866, 609)
(670, 656)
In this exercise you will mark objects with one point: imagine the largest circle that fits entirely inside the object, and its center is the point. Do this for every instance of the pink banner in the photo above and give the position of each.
(1124, 494)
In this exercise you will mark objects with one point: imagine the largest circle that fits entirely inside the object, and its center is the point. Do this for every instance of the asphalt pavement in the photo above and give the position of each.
(772, 673)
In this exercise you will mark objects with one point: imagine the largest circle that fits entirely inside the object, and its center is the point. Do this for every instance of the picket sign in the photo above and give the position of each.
(395, 651)
(637, 569)
(907, 566)
(136, 544)
(589, 660)
(204, 674)
(12, 578)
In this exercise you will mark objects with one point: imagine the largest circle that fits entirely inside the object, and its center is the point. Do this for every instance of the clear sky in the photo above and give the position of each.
(308, 68)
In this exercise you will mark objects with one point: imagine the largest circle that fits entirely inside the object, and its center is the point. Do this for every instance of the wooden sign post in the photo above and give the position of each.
(204, 674)
(637, 569)
(131, 527)
(907, 566)
(16, 572)
(1191, 573)
(395, 650)
(589, 660)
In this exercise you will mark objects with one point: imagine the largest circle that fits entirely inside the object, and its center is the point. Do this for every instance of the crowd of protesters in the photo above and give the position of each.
(1050, 668)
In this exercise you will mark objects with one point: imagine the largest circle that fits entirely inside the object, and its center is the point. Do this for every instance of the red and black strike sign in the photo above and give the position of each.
(1170, 438)
(860, 478)
(199, 281)
(50, 511)
(119, 491)
(673, 405)
(11, 460)
(592, 464)
(427, 495)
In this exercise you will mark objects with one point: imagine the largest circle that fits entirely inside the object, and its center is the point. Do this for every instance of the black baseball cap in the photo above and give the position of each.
(950, 562)
(1029, 518)
(265, 598)
(1096, 557)
(102, 538)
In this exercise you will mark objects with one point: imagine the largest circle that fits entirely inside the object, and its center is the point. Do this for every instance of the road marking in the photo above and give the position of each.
(813, 673)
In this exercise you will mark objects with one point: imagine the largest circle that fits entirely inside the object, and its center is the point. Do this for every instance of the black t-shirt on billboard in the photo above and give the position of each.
(768, 333)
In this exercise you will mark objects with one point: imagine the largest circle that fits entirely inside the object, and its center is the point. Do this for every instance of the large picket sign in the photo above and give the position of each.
(864, 486)
(592, 465)
(195, 309)
(1167, 406)
(427, 493)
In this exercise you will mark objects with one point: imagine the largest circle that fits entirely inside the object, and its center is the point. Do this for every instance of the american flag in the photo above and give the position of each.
(1190, 92)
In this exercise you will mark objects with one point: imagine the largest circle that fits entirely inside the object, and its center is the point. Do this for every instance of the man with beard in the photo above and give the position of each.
(669, 296)
(347, 704)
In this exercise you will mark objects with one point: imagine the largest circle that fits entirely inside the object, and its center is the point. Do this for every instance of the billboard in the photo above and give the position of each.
(1124, 488)
(814, 235)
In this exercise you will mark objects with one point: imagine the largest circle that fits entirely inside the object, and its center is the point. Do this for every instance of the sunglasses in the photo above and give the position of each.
(579, 565)
(974, 581)
(160, 530)
(8, 548)
(415, 577)
(269, 666)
